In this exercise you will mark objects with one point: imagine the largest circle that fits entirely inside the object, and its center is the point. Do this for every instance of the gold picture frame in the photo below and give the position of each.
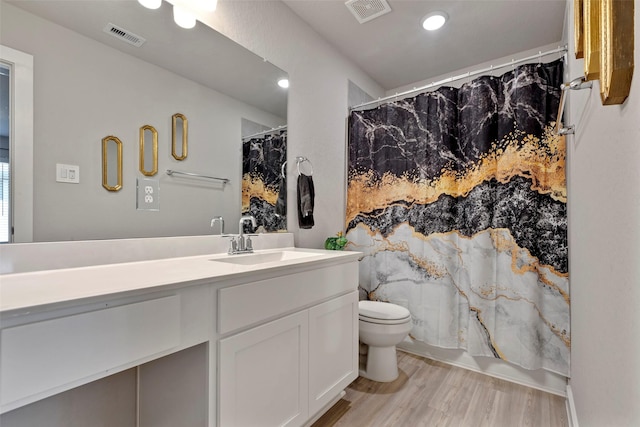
(578, 27)
(145, 132)
(616, 50)
(591, 20)
(179, 136)
(111, 171)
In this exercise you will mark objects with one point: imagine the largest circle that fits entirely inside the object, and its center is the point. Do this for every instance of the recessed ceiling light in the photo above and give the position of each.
(434, 20)
(283, 83)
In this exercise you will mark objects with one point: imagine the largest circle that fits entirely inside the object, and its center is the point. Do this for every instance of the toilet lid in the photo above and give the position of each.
(382, 310)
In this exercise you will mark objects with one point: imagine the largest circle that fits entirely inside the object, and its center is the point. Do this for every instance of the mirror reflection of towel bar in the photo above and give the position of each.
(197, 175)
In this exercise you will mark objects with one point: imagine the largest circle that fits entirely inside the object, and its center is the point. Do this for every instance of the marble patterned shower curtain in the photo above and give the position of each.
(262, 160)
(457, 197)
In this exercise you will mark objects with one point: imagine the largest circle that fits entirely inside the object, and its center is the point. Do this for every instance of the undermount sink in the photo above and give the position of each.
(262, 258)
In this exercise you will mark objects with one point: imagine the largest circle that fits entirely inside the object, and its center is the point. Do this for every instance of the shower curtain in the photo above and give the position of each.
(262, 179)
(457, 197)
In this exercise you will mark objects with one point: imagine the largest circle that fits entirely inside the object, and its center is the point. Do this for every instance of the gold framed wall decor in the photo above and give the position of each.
(591, 20)
(179, 136)
(616, 51)
(111, 163)
(148, 150)
(578, 27)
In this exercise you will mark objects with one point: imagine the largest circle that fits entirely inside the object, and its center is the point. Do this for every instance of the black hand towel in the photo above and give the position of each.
(306, 193)
(281, 201)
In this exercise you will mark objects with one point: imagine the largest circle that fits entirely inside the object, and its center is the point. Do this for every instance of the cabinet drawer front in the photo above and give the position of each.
(40, 359)
(266, 299)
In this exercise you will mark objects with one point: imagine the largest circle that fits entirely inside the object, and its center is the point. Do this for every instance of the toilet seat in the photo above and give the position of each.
(382, 313)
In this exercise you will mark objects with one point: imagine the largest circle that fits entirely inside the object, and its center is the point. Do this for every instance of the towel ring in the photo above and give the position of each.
(301, 159)
(282, 169)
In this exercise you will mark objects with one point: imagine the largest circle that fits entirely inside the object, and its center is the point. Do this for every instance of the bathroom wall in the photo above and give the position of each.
(318, 99)
(604, 250)
(495, 61)
(84, 91)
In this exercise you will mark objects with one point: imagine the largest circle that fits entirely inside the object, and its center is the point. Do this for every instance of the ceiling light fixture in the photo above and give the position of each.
(207, 5)
(283, 83)
(434, 20)
(183, 18)
(151, 4)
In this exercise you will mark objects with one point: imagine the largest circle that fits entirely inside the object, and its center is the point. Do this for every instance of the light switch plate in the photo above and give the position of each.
(148, 194)
(68, 173)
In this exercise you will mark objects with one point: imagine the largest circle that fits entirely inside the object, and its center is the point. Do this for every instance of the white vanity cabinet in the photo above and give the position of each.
(42, 354)
(192, 340)
(284, 371)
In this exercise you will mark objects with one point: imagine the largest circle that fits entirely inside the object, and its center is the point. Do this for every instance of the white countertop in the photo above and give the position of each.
(22, 292)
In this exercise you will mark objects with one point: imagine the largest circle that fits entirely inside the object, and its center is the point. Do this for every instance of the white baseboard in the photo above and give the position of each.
(540, 379)
(572, 415)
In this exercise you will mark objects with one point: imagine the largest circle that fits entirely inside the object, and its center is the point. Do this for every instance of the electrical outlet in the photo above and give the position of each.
(148, 194)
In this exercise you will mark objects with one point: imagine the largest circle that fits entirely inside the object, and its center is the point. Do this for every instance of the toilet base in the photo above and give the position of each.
(382, 364)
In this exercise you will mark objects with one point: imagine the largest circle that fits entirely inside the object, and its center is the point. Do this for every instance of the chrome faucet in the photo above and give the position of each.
(241, 244)
(218, 218)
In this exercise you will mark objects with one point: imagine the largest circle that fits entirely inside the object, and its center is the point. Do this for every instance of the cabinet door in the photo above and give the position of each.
(263, 375)
(333, 349)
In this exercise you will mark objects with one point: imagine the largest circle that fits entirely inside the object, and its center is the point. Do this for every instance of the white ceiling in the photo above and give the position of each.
(395, 51)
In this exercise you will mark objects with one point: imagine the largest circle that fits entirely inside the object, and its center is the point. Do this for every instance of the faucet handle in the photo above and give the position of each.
(248, 246)
(233, 243)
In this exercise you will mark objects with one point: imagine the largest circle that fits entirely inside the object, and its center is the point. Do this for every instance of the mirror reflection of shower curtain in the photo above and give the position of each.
(262, 160)
(457, 197)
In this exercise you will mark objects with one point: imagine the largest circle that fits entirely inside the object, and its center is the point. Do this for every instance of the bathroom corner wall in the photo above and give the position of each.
(317, 105)
(604, 249)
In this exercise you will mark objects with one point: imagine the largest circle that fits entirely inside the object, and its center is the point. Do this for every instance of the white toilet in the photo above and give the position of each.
(382, 327)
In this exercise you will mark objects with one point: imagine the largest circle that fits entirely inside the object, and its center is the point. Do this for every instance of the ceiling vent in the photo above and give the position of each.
(366, 10)
(124, 35)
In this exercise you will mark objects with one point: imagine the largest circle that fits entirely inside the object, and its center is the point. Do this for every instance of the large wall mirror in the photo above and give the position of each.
(108, 86)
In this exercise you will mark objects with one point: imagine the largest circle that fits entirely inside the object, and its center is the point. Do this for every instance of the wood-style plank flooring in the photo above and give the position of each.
(430, 393)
